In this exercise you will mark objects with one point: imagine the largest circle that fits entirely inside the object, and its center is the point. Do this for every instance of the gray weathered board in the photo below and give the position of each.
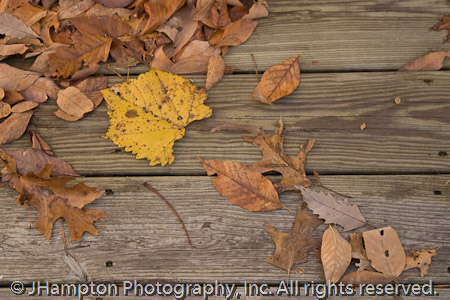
(144, 240)
(411, 137)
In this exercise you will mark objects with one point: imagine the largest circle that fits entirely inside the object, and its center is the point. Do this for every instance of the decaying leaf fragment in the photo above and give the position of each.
(278, 81)
(335, 253)
(420, 259)
(242, 185)
(148, 114)
(333, 210)
(443, 24)
(432, 61)
(294, 247)
(359, 252)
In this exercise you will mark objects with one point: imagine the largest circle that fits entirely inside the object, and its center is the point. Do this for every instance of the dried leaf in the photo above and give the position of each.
(429, 62)
(7, 50)
(101, 25)
(294, 247)
(39, 143)
(258, 10)
(366, 277)
(54, 200)
(333, 210)
(115, 3)
(15, 27)
(213, 14)
(385, 251)
(72, 8)
(275, 159)
(159, 12)
(242, 185)
(34, 160)
(73, 102)
(148, 114)
(237, 33)
(420, 259)
(359, 252)
(12, 98)
(216, 69)
(5, 109)
(335, 253)
(443, 24)
(278, 81)
(24, 106)
(88, 50)
(91, 87)
(13, 79)
(14, 126)
(42, 89)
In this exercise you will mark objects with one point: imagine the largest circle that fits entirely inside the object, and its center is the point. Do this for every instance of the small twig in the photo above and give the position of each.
(287, 208)
(171, 207)
(448, 181)
(442, 286)
(115, 72)
(64, 237)
(254, 65)
(29, 214)
(173, 275)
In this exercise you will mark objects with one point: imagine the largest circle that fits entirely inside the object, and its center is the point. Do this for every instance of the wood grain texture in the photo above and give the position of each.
(443, 293)
(413, 136)
(144, 240)
(340, 35)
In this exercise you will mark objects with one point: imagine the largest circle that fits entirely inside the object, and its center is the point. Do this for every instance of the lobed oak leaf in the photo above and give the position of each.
(432, 61)
(242, 185)
(385, 251)
(275, 159)
(294, 247)
(335, 253)
(278, 81)
(148, 114)
(333, 210)
(420, 259)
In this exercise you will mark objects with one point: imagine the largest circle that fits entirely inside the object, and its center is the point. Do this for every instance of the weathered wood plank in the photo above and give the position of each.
(343, 35)
(144, 241)
(441, 293)
(413, 136)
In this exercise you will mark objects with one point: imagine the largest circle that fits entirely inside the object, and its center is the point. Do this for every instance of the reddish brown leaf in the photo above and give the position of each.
(103, 26)
(14, 126)
(294, 247)
(258, 10)
(237, 33)
(216, 69)
(278, 81)
(336, 254)
(159, 12)
(432, 61)
(275, 159)
(213, 14)
(332, 210)
(242, 185)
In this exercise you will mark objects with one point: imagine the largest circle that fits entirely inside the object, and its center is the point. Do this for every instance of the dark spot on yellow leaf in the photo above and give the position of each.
(131, 114)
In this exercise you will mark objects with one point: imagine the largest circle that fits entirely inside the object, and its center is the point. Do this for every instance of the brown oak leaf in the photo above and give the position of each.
(294, 247)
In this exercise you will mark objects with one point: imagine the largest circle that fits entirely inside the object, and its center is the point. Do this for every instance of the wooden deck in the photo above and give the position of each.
(395, 169)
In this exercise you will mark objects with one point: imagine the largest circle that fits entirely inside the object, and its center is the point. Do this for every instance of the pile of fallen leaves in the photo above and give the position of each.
(68, 39)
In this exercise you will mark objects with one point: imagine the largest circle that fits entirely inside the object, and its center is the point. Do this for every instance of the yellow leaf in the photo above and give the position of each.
(148, 114)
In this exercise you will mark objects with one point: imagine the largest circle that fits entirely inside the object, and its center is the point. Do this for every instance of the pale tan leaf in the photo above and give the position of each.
(216, 69)
(333, 210)
(385, 251)
(336, 254)
(14, 27)
(420, 259)
(14, 126)
(429, 62)
(24, 106)
(73, 102)
(278, 81)
(42, 89)
(13, 79)
(7, 50)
